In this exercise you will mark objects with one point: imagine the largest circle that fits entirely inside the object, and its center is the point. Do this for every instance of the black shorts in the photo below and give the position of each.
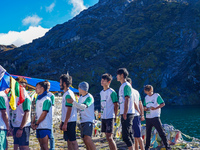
(107, 125)
(70, 134)
(24, 139)
(127, 132)
(86, 129)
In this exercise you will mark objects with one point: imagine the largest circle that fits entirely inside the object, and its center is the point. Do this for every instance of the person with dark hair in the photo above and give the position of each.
(153, 103)
(52, 97)
(43, 119)
(137, 118)
(123, 71)
(109, 109)
(127, 107)
(4, 119)
(69, 113)
(86, 106)
(21, 118)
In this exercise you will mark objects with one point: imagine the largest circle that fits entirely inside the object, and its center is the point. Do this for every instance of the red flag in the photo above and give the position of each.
(21, 95)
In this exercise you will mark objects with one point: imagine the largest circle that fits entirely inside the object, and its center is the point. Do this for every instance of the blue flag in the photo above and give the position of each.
(5, 82)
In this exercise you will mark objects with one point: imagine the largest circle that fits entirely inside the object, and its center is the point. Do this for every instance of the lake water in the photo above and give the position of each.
(184, 118)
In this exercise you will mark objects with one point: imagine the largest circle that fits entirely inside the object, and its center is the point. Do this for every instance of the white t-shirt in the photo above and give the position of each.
(153, 101)
(137, 100)
(18, 114)
(108, 97)
(4, 105)
(68, 94)
(52, 97)
(44, 104)
(126, 90)
(87, 115)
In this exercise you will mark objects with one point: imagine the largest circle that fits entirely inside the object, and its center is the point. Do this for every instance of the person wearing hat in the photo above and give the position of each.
(86, 106)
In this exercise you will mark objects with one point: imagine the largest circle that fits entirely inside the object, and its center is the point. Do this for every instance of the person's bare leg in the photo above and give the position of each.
(89, 142)
(74, 145)
(85, 144)
(140, 142)
(44, 142)
(16, 146)
(131, 147)
(69, 145)
(111, 142)
(40, 143)
(136, 143)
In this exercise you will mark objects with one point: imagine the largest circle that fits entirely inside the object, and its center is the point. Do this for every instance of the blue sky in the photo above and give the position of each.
(25, 18)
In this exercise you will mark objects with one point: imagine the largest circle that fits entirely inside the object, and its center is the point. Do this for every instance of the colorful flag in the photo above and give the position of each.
(5, 82)
(2, 72)
(21, 95)
(17, 89)
(13, 96)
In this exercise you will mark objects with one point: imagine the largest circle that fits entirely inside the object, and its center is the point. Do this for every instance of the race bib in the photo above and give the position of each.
(103, 105)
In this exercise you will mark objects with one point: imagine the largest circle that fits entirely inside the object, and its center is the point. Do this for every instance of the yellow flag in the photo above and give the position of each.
(13, 97)
(35, 95)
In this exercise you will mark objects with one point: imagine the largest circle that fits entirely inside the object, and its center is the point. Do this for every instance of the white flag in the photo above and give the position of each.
(2, 71)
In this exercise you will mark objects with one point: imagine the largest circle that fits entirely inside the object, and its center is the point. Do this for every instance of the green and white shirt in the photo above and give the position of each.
(126, 90)
(4, 105)
(137, 100)
(153, 101)
(68, 95)
(87, 115)
(44, 104)
(18, 114)
(108, 98)
(52, 97)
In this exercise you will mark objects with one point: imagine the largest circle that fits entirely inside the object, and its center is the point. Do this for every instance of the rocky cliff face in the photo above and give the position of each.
(6, 47)
(156, 40)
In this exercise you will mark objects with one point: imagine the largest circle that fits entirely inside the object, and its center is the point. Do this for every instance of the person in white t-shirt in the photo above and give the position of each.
(109, 109)
(127, 107)
(69, 113)
(4, 119)
(52, 97)
(86, 106)
(43, 118)
(21, 119)
(153, 103)
(137, 119)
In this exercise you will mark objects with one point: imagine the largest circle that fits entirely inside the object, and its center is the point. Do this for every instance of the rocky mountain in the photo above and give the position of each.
(6, 47)
(156, 40)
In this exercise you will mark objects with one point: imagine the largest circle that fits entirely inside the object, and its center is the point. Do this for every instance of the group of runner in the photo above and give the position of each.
(128, 100)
